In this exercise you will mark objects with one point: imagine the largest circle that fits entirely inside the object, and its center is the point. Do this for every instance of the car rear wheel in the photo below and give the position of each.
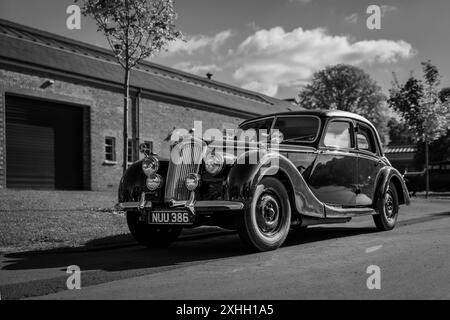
(149, 235)
(387, 211)
(265, 224)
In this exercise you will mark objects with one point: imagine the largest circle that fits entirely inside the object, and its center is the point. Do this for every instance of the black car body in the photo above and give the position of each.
(328, 167)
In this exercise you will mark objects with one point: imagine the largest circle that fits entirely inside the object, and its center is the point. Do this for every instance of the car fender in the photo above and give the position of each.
(386, 175)
(134, 180)
(243, 179)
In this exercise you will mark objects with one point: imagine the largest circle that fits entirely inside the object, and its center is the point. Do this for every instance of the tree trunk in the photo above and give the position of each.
(427, 173)
(125, 118)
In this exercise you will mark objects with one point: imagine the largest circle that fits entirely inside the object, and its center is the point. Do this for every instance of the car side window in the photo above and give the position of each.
(338, 135)
(365, 139)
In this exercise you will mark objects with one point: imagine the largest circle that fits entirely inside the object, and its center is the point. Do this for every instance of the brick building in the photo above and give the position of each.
(61, 110)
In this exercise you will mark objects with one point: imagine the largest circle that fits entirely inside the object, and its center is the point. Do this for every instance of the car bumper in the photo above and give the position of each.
(196, 207)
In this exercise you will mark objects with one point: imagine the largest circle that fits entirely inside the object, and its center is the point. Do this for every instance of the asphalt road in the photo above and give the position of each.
(327, 262)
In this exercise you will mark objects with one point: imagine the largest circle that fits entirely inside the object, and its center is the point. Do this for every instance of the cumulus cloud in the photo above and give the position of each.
(272, 58)
(199, 42)
(197, 68)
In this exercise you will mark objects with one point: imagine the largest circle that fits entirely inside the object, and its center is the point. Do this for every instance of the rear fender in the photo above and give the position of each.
(386, 175)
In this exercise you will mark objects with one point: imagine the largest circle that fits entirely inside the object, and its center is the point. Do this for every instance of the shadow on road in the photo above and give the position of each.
(196, 250)
(182, 252)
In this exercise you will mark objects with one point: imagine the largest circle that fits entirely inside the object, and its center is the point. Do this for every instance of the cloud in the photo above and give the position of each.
(386, 9)
(353, 18)
(272, 58)
(199, 42)
(197, 68)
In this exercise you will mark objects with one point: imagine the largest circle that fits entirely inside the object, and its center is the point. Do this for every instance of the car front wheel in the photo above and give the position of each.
(149, 235)
(265, 224)
(387, 210)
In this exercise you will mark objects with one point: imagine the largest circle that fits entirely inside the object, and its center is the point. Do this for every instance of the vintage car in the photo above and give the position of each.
(315, 167)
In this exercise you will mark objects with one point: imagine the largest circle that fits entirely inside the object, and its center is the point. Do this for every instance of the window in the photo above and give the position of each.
(298, 129)
(338, 135)
(110, 149)
(130, 151)
(251, 131)
(365, 139)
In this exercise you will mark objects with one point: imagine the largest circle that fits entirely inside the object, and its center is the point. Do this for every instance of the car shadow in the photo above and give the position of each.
(135, 257)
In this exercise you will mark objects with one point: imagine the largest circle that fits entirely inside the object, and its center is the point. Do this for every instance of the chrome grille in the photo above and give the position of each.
(186, 158)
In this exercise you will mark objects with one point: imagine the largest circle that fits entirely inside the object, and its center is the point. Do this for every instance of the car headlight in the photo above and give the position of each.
(192, 181)
(150, 166)
(214, 163)
(154, 182)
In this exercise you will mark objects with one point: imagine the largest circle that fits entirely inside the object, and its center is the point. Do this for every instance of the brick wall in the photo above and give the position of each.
(157, 119)
(105, 109)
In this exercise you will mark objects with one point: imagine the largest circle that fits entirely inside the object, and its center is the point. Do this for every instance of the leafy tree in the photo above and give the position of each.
(419, 104)
(399, 133)
(348, 88)
(439, 150)
(135, 30)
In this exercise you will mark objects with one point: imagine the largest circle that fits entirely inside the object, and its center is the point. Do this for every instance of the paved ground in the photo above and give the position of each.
(324, 262)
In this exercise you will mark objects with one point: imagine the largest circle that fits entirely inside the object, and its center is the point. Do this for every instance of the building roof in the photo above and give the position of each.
(35, 48)
(400, 149)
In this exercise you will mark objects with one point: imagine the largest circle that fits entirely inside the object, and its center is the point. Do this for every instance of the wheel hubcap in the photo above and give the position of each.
(389, 207)
(268, 214)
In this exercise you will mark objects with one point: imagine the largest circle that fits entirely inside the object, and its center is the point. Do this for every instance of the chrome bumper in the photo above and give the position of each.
(196, 207)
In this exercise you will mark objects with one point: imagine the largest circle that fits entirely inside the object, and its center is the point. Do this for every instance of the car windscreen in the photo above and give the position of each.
(255, 130)
(298, 129)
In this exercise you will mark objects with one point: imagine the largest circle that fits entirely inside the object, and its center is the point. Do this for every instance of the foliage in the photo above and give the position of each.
(399, 134)
(419, 104)
(348, 88)
(135, 29)
(444, 94)
(439, 151)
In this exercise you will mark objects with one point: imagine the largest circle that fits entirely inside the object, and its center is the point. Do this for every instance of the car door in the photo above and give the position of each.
(334, 174)
(369, 164)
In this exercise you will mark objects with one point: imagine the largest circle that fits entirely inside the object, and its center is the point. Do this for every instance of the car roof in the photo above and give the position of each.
(319, 113)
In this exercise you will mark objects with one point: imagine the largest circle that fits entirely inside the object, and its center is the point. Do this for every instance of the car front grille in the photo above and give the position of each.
(186, 158)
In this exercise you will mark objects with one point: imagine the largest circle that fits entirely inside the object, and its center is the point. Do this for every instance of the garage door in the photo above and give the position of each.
(43, 145)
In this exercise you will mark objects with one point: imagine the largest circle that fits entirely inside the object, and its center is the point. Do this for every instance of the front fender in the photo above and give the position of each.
(386, 175)
(243, 179)
(133, 181)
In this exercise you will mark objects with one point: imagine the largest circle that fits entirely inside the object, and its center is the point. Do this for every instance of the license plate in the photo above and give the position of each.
(170, 217)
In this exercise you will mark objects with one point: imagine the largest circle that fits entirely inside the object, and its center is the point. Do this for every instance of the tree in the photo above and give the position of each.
(135, 30)
(399, 133)
(348, 88)
(419, 104)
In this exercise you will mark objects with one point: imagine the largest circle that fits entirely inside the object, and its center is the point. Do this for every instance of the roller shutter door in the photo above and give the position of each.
(43, 145)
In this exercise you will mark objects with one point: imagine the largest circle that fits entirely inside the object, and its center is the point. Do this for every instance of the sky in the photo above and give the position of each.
(275, 46)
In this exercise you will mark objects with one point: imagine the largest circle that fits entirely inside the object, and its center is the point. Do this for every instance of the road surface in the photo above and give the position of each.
(323, 262)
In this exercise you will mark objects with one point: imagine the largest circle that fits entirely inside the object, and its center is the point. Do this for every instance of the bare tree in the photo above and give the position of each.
(135, 30)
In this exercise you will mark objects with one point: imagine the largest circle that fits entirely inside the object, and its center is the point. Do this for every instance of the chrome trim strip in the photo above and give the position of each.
(134, 205)
(191, 205)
